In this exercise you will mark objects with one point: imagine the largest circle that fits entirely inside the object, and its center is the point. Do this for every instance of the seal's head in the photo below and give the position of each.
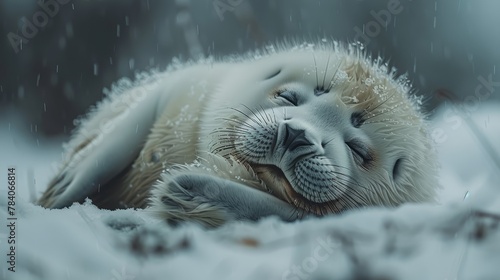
(325, 128)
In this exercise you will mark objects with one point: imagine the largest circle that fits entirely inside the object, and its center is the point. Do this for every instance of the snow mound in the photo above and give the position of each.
(411, 242)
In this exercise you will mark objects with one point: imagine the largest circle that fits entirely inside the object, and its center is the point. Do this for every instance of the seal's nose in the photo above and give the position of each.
(294, 138)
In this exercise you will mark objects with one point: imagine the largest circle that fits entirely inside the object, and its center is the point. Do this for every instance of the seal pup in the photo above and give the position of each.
(292, 130)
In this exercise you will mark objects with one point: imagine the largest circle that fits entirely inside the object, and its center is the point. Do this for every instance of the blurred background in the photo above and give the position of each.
(56, 56)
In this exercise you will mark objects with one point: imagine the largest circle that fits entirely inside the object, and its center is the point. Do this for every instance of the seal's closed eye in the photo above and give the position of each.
(360, 151)
(289, 97)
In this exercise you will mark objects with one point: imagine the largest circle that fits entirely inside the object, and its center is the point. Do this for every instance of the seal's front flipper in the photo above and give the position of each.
(212, 201)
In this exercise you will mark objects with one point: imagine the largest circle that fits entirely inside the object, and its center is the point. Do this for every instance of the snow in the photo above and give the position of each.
(458, 239)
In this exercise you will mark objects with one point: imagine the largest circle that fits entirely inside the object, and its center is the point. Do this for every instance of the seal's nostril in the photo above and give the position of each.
(294, 138)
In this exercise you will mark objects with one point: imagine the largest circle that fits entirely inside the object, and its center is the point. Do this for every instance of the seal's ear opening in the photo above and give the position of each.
(396, 170)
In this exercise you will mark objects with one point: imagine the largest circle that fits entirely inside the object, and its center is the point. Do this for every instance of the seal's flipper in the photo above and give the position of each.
(102, 147)
(212, 201)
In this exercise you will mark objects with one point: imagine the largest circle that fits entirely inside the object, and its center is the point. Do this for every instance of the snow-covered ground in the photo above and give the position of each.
(459, 239)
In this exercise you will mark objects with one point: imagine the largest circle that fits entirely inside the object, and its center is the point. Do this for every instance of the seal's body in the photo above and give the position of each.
(298, 131)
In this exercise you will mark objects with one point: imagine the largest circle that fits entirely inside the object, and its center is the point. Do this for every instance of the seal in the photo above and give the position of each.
(293, 130)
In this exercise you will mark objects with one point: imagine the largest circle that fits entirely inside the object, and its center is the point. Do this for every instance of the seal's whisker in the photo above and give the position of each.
(316, 70)
(334, 77)
(326, 71)
(265, 116)
(247, 116)
(364, 113)
(240, 122)
(379, 114)
(255, 115)
(274, 115)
